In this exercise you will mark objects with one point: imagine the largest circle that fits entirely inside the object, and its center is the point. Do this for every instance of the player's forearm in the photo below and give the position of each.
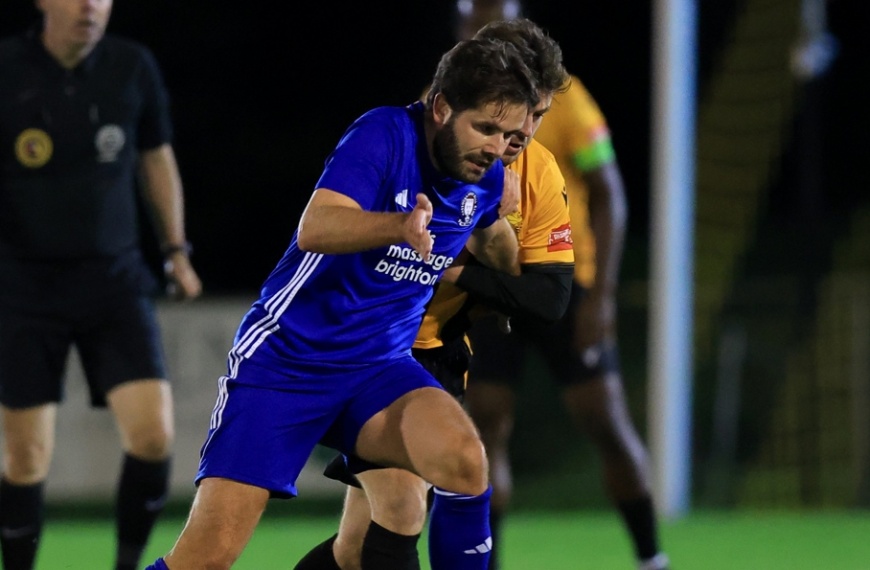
(340, 229)
(164, 195)
(334, 223)
(541, 291)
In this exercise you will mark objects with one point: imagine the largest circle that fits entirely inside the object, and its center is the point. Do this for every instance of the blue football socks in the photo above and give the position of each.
(459, 533)
(159, 564)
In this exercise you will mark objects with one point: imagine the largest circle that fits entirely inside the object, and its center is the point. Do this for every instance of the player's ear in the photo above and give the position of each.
(441, 109)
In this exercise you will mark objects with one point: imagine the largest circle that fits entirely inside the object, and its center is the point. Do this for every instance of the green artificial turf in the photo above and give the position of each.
(538, 541)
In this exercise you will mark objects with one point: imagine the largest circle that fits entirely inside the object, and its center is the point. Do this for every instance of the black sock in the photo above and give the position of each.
(21, 516)
(386, 550)
(142, 494)
(495, 519)
(640, 518)
(320, 557)
(430, 498)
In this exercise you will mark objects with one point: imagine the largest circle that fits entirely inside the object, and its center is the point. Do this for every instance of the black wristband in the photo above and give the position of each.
(171, 249)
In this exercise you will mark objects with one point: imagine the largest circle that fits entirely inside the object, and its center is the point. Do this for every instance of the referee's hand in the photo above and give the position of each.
(183, 282)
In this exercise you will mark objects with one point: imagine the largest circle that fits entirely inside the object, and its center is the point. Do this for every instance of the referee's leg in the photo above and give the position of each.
(28, 445)
(144, 415)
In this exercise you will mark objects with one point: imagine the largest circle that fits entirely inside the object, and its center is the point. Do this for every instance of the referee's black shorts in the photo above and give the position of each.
(104, 307)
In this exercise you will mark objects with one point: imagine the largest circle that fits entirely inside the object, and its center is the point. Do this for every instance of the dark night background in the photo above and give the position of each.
(262, 92)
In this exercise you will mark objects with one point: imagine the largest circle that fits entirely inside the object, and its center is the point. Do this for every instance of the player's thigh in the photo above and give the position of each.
(425, 431)
(28, 442)
(496, 372)
(143, 412)
(599, 407)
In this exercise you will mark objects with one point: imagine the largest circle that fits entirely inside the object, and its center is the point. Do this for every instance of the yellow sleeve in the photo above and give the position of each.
(545, 235)
(575, 127)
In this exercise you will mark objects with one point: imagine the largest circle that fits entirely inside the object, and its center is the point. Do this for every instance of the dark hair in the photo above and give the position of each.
(540, 52)
(480, 71)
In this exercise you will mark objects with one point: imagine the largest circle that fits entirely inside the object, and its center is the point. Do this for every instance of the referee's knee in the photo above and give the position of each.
(150, 444)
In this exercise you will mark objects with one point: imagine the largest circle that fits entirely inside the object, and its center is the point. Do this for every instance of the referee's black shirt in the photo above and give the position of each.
(68, 147)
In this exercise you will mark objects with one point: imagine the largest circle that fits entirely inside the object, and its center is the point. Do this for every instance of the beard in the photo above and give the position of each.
(448, 157)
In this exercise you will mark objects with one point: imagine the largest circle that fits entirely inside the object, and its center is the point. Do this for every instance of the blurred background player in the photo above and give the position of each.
(581, 350)
(81, 115)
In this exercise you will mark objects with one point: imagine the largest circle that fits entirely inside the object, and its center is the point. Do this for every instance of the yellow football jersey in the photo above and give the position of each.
(543, 226)
(576, 132)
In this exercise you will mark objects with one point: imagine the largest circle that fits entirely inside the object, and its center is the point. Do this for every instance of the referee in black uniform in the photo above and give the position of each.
(83, 118)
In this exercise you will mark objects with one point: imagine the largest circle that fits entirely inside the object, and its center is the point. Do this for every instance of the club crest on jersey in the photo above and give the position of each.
(33, 148)
(109, 142)
(467, 209)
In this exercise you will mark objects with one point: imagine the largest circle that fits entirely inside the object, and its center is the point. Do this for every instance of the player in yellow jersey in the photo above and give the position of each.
(581, 350)
(393, 506)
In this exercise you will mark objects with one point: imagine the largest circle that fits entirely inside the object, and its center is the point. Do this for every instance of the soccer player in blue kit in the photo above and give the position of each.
(324, 356)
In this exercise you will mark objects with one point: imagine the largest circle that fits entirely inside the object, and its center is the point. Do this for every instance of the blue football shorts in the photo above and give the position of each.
(264, 436)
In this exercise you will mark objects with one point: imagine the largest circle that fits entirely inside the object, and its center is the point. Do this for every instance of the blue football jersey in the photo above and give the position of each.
(320, 311)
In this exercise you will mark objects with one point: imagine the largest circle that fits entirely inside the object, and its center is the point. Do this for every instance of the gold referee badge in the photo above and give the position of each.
(33, 147)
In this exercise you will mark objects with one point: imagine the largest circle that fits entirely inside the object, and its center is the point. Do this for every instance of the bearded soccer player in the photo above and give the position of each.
(541, 291)
(324, 355)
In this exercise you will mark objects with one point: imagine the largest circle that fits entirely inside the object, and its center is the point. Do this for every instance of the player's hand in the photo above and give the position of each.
(415, 226)
(183, 282)
(510, 196)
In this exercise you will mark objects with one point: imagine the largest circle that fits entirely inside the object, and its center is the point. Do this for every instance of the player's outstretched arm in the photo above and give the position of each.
(542, 290)
(334, 223)
(494, 277)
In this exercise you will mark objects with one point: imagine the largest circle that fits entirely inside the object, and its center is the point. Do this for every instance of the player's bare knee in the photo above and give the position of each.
(468, 470)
